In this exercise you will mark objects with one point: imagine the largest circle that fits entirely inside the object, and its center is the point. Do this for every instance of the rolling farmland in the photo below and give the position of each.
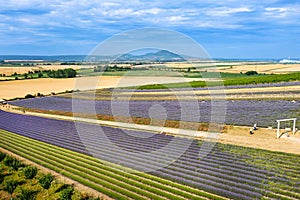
(150, 100)
(229, 171)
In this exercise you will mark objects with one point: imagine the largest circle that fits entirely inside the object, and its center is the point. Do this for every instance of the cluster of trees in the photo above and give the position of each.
(29, 74)
(29, 96)
(250, 73)
(70, 63)
(62, 73)
(107, 68)
(15, 182)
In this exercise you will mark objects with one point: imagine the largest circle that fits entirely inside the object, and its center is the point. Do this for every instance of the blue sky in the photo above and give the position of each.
(227, 29)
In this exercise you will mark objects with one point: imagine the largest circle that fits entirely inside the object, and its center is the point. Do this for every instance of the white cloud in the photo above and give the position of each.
(277, 11)
(226, 11)
(151, 11)
(287, 13)
(91, 13)
(111, 16)
(217, 25)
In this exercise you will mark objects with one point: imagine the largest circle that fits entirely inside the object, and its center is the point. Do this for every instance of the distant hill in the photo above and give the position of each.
(162, 55)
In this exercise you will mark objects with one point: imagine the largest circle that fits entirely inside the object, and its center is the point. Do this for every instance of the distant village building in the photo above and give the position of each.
(289, 61)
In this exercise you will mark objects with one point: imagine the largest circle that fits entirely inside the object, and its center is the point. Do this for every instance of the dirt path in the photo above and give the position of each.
(263, 138)
(77, 186)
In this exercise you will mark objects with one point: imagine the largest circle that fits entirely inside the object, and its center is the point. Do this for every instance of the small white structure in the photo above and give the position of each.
(2, 102)
(284, 120)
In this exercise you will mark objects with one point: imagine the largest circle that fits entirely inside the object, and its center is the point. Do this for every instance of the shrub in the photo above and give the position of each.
(30, 172)
(2, 156)
(28, 96)
(1, 178)
(11, 185)
(39, 94)
(27, 194)
(12, 162)
(8, 160)
(17, 164)
(66, 194)
(249, 73)
(45, 181)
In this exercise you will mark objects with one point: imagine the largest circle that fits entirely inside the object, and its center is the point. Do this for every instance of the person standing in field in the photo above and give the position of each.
(251, 131)
(254, 127)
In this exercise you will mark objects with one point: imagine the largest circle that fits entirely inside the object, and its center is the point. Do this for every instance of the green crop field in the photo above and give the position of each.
(229, 80)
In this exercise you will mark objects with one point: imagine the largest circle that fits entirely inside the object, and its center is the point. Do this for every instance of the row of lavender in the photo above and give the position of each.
(218, 172)
(235, 112)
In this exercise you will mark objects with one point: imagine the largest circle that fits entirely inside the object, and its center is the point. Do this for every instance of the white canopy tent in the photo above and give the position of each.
(284, 120)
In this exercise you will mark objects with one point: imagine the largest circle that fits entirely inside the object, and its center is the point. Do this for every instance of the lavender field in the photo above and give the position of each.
(229, 171)
(238, 112)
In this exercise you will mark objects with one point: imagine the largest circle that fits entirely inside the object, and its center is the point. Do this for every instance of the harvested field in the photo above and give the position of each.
(261, 68)
(10, 70)
(233, 67)
(13, 89)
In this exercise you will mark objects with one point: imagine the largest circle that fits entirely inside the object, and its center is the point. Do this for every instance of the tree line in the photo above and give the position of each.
(62, 73)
